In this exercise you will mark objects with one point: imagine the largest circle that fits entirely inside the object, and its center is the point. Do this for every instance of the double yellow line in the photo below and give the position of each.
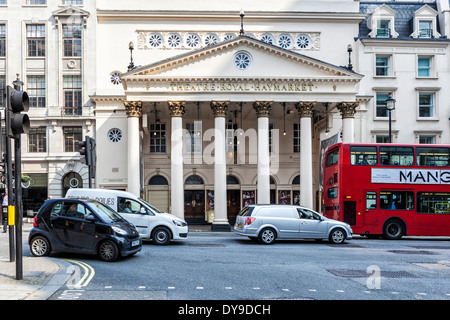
(89, 273)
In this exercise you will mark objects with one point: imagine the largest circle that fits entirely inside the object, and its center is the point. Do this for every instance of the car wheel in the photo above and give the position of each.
(393, 230)
(161, 236)
(337, 236)
(40, 247)
(267, 236)
(108, 251)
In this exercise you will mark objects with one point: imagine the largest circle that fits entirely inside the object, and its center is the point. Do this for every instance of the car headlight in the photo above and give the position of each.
(119, 231)
(177, 223)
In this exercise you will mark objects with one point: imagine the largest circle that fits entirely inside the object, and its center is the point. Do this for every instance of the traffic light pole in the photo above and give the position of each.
(9, 184)
(19, 206)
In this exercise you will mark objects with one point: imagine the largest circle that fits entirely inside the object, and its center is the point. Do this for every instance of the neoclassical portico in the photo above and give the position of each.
(187, 80)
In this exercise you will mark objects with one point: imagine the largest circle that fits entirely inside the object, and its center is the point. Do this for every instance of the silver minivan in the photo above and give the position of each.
(271, 221)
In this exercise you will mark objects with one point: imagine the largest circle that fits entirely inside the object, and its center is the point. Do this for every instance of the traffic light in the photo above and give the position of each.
(17, 102)
(85, 150)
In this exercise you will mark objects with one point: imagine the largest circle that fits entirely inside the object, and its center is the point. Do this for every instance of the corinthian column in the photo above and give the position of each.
(262, 109)
(220, 223)
(348, 110)
(304, 109)
(134, 110)
(176, 109)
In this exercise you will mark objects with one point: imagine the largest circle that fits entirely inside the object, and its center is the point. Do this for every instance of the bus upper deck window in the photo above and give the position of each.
(397, 156)
(360, 155)
(332, 157)
(433, 156)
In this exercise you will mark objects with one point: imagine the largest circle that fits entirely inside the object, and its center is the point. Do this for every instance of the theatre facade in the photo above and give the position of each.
(203, 131)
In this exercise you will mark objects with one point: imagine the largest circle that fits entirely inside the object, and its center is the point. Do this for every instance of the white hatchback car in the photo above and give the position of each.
(272, 221)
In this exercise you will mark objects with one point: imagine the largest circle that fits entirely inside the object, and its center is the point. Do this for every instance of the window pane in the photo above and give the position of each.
(381, 104)
(433, 202)
(397, 200)
(424, 67)
(397, 156)
(426, 105)
(431, 156)
(363, 155)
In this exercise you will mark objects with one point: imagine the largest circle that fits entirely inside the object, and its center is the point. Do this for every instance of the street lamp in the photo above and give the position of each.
(390, 105)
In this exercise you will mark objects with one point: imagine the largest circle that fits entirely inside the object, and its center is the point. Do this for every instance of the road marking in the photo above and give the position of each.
(312, 290)
(108, 287)
(142, 287)
(89, 273)
(170, 288)
(284, 289)
(199, 288)
(256, 288)
(228, 288)
(341, 291)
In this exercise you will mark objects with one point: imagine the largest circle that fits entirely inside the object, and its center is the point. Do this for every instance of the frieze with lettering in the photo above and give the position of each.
(242, 87)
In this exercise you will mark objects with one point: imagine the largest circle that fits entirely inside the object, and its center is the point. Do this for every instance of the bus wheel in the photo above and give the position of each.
(393, 230)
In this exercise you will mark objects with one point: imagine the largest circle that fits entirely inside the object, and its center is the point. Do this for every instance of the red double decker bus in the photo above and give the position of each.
(388, 189)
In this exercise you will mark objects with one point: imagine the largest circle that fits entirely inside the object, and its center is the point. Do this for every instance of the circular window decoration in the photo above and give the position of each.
(155, 40)
(229, 36)
(115, 135)
(242, 60)
(174, 40)
(211, 39)
(115, 78)
(285, 41)
(192, 40)
(303, 41)
(267, 38)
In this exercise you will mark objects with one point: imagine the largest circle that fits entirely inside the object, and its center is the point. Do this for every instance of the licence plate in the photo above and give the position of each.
(239, 225)
(135, 243)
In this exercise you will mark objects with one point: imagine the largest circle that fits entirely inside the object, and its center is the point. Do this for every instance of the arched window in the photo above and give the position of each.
(194, 179)
(296, 180)
(232, 180)
(72, 180)
(158, 180)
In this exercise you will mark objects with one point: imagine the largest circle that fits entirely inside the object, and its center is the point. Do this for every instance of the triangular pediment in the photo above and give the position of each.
(265, 61)
(70, 11)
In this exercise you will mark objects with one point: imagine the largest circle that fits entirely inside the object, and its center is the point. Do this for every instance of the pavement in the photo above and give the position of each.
(42, 276)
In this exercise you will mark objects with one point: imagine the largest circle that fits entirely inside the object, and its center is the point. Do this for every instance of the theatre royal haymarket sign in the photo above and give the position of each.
(247, 86)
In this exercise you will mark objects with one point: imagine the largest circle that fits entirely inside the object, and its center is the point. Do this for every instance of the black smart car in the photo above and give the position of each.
(82, 226)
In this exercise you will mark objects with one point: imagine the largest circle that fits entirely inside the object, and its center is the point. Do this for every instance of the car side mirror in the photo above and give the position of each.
(90, 218)
(143, 210)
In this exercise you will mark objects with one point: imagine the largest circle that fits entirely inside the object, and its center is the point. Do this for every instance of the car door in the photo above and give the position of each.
(283, 218)
(68, 223)
(130, 210)
(311, 225)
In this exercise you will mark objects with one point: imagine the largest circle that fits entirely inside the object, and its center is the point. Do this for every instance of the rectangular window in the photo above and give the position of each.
(157, 137)
(397, 200)
(371, 200)
(332, 157)
(36, 91)
(433, 156)
(37, 140)
(72, 135)
(397, 156)
(36, 1)
(72, 95)
(193, 137)
(2, 91)
(76, 2)
(433, 202)
(383, 29)
(363, 156)
(425, 29)
(382, 66)
(2, 40)
(427, 139)
(72, 40)
(296, 140)
(426, 105)
(381, 104)
(382, 139)
(332, 193)
(424, 66)
(36, 40)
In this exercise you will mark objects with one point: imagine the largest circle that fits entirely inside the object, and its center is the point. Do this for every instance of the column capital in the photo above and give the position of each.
(305, 108)
(347, 109)
(134, 108)
(262, 108)
(220, 108)
(176, 108)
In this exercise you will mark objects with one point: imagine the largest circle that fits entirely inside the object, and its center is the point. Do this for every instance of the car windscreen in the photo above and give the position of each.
(105, 213)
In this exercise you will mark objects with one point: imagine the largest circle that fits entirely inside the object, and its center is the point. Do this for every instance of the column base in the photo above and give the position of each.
(220, 227)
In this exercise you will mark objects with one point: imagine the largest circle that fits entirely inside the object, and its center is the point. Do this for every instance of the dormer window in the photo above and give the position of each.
(425, 23)
(383, 29)
(382, 23)
(425, 29)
